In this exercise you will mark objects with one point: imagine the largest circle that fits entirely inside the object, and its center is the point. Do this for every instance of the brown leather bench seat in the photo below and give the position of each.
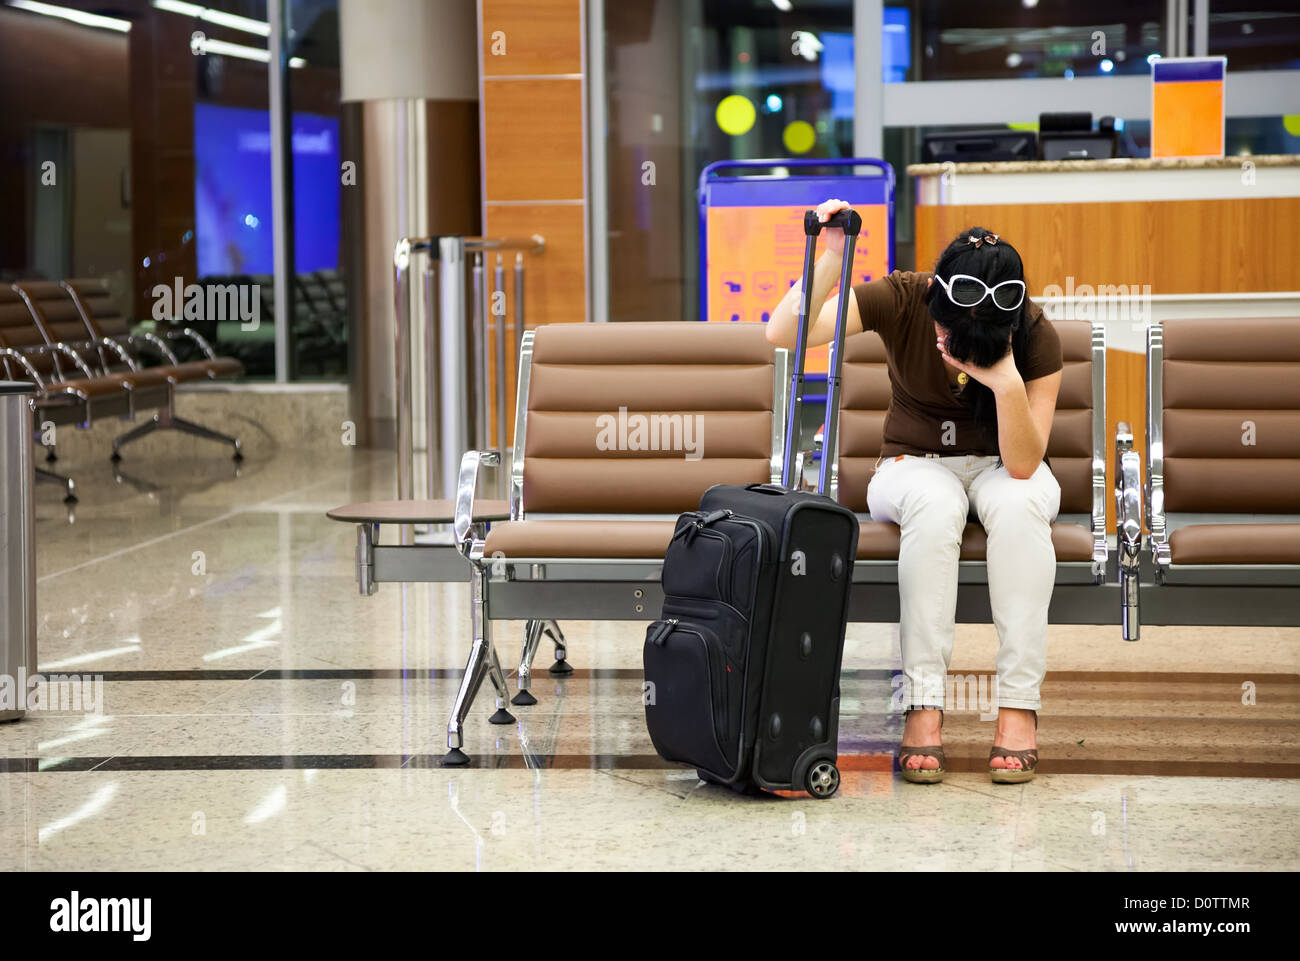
(630, 539)
(603, 539)
(1230, 424)
(1236, 544)
(100, 318)
(879, 541)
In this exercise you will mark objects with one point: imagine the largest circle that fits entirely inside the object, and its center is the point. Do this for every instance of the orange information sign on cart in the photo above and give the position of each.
(752, 238)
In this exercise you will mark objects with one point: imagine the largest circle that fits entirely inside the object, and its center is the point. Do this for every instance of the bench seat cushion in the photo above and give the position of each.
(619, 539)
(1236, 544)
(615, 539)
(879, 540)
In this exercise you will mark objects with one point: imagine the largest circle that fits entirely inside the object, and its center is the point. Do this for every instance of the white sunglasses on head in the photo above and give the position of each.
(967, 291)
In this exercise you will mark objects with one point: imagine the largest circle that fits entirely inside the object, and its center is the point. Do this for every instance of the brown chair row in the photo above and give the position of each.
(79, 351)
(594, 490)
(1222, 486)
(592, 503)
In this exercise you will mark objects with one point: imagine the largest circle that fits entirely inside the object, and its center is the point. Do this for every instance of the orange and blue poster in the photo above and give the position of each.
(752, 239)
(1187, 106)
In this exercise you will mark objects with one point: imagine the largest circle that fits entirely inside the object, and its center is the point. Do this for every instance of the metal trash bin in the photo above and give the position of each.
(17, 549)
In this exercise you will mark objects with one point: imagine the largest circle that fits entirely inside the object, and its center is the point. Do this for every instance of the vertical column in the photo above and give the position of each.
(868, 85)
(534, 147)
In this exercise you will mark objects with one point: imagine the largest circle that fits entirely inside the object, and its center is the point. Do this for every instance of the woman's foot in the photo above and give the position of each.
(920, 757)
(1015, 746)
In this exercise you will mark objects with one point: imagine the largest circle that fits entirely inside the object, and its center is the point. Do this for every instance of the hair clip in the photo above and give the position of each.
(990, 239)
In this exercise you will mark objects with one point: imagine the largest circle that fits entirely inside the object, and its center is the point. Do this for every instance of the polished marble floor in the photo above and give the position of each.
(257, 713)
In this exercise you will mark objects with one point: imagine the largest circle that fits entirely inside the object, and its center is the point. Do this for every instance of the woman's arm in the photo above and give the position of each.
(782, 326)
(1025, 411)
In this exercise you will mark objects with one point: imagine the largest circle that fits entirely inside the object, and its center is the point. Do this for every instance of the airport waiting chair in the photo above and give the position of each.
(1076, 452)
(26, 355)
(586, 549)
(619, 428)
(108, 330)
(1222, 485)
(335, 288)
(51, 319)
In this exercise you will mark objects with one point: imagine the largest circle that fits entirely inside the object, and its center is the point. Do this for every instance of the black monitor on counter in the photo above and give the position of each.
(979, 146)
(1069, 136)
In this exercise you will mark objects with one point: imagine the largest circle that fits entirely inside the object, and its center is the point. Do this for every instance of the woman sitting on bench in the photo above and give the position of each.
(974, 368)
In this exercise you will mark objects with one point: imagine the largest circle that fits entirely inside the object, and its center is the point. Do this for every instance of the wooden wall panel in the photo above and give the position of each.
(1126, 384)
(555, 280)
(532, 136)
(1176, 246)
(533, 157)
(541, 36)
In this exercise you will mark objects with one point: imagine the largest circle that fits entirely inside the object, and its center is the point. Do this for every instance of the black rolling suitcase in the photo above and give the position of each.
(742, 669)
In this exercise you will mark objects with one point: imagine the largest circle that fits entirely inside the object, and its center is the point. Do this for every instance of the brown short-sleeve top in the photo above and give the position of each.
(924, 414)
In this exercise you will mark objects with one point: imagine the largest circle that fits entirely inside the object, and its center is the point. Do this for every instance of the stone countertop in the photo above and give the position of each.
(1105, 166)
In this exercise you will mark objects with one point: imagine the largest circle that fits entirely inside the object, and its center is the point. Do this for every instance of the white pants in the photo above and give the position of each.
(930, 498)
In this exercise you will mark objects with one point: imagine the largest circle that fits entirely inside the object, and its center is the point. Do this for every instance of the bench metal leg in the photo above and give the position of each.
(166, 419)
(482, 663)
(532, 638)
(561, 667)
(69, 488)
(198, 430)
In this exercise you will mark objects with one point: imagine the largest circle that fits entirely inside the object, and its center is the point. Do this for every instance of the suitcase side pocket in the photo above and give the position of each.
(688, 695)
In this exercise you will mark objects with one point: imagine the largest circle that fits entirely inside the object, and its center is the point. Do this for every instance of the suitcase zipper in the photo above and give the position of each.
(665, 628)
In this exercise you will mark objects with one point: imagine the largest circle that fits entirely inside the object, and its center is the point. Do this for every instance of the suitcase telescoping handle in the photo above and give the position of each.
(851, 223)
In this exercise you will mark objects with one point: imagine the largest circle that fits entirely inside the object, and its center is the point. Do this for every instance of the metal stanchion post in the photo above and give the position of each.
(478, 383)
(499, 347)
(454, 397)
(432, 374)
(17, 542)
(402, 353)
(519, 305)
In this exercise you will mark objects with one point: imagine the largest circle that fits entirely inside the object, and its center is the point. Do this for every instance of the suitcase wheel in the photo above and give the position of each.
(822, 779)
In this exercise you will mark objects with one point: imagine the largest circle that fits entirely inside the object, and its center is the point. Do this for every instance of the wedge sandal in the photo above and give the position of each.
(922, 775)
(1028, 763)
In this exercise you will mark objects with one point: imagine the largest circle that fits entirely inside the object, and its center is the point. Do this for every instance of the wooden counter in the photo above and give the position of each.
(1130, 242)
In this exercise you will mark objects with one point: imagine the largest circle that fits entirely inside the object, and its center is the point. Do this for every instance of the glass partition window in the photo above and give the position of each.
(1255, 34)
(150, 167)
(1032, 38)
(691, 83)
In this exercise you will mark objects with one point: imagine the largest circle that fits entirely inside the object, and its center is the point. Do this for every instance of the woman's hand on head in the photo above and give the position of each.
(834, 235)
(997, 377)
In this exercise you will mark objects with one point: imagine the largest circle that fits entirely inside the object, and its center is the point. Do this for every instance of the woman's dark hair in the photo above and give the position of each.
(978, 335)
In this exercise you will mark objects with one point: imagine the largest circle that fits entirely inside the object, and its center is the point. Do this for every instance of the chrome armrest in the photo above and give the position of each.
(1155, 479)
(198, 339)
(156, 341)
(25, 364)
(466, 484)
(1100, 546)
(121, 351)
(1128, 525)
(76, 359)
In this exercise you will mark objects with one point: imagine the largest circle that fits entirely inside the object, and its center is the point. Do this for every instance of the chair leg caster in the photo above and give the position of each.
(561, 669)
(455, 758)
(238, 455)
(116, 457)
(523, 699)
(502, 716)
(70, 499)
